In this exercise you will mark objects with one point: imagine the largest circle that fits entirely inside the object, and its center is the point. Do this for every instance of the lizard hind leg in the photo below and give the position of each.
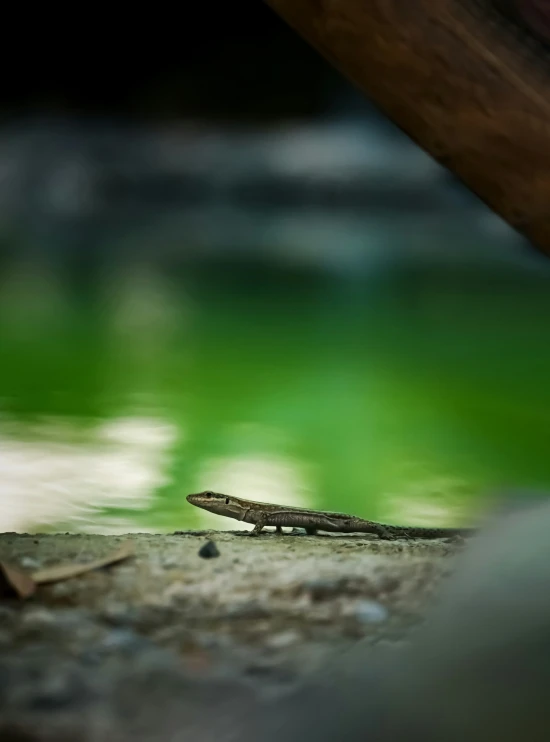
(386, 534)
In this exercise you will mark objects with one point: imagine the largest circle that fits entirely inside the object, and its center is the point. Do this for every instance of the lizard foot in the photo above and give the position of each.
(387, 535)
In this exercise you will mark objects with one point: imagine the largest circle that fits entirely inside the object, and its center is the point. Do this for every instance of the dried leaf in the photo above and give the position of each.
(66, 571)
(15, 581)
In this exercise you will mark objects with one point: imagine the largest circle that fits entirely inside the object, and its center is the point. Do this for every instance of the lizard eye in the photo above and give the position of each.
(227, 500)
(208, 494)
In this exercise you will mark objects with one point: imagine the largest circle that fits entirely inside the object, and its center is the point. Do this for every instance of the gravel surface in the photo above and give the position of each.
(169, 624)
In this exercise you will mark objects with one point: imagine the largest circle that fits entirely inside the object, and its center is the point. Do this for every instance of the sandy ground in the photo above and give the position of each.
(265, 613)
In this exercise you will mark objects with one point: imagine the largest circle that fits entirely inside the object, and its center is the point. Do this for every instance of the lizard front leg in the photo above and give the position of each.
(261, 522)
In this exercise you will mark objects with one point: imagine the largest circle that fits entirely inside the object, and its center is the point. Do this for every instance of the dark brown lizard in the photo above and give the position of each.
(262, 514)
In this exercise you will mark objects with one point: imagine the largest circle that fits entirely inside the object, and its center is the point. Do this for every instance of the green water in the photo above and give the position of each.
(406, 399)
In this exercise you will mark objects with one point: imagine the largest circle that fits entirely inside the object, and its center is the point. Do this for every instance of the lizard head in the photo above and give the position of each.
(216, 503)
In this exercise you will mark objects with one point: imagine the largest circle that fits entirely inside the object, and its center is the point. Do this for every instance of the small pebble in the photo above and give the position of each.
(175, 591)
(322, 589)
(6, 614)
(56, 691)
(283, 639)
(123, 639)
(62, 589)
(28, 562)
(171, 562)
(250, 609)
(369, 611)
(388, 584)
(119, 614)
(209, 550)
(212, 640)
(38, 616)
(72, 618)
(38, 620)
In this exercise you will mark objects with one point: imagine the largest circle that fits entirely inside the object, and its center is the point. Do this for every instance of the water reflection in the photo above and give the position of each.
(403, 400)
(434, 500)
(52, 472)
(310, 316)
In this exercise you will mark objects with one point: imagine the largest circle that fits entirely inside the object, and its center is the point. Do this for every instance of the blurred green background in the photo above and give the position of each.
(288, 303)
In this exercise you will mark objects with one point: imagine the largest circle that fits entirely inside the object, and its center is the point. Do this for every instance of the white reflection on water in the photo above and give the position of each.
(58, 474)
(429, 500)
(266, 478)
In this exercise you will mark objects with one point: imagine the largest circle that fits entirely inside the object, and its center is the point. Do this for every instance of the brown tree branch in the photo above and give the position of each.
(467, 83)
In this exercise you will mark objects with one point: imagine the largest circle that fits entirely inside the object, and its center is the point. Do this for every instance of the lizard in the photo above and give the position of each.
(262, 514)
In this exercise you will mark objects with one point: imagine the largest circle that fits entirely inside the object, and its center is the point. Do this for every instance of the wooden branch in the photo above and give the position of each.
(466, 82)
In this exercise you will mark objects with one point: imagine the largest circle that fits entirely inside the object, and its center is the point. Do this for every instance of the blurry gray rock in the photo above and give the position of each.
(370, 611)
(483, 657)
